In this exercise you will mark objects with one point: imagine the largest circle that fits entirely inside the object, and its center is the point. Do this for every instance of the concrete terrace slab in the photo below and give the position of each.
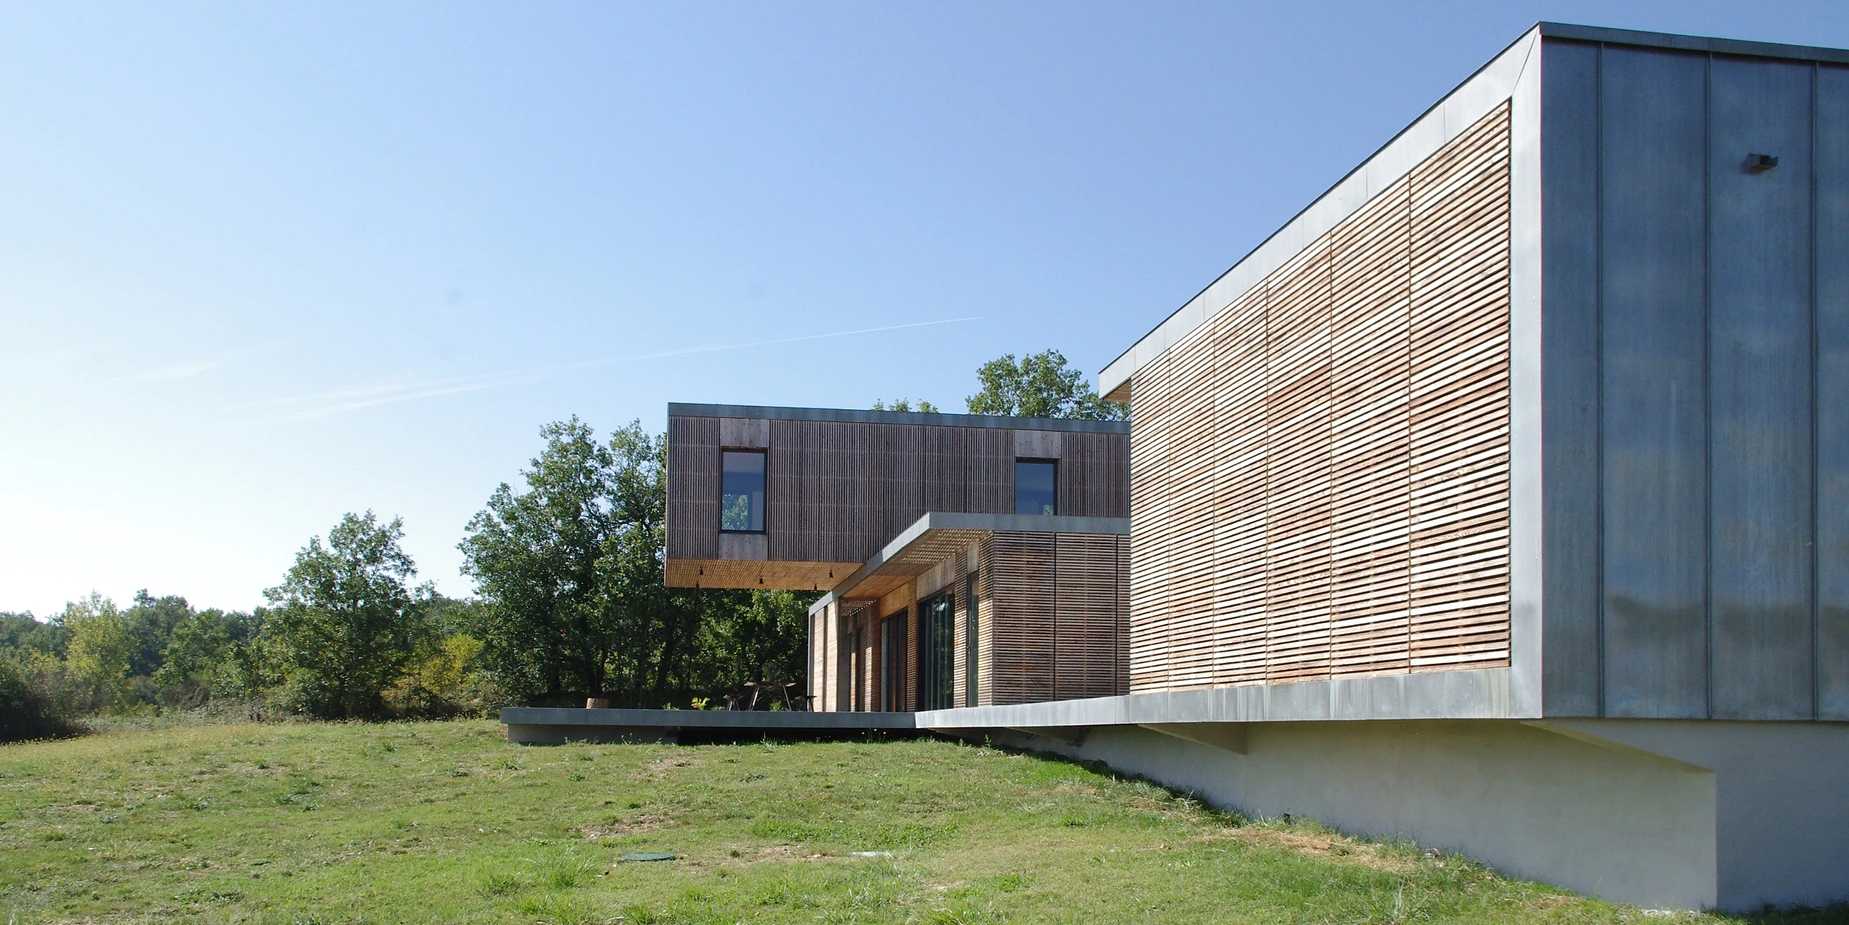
(553, 725)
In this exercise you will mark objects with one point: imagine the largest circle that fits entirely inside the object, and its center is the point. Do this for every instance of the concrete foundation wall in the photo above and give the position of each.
(1615, 809)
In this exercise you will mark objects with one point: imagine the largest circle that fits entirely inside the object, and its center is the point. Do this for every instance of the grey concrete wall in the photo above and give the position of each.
(1678, 815)
(1503, 793)
(1697, 525)
(1782, 808)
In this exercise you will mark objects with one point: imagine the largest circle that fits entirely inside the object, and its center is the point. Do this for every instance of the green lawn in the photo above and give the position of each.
(446, 822)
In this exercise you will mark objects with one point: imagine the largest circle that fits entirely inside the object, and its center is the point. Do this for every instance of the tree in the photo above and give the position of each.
(98, 655)
(151, 622)
(1040, 385)
(905, 404)
(195, 656)
(567, 564)
(346, 622)
(24, 631)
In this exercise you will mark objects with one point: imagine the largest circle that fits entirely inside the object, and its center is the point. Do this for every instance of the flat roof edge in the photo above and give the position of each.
(853, 416)
(1702, 43)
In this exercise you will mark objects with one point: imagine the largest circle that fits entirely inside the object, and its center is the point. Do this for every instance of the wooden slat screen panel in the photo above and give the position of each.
(1149, 611)
(1021, 572)
(1123, 614)
(1085, 656)
(985, 626)
(946, 475)
(990, 454)
(1460, 401)
(1297, 478)
(1372, 382)
(1189, 518)
(959, 616)
(1239, 562)
(693, 473)
(1093, 479)
(784, 518)
(1358, 449)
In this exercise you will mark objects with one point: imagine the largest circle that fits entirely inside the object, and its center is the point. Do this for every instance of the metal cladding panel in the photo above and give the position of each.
(1832, 393)
(1570, 399)
(1759, 369)
(1652, 415)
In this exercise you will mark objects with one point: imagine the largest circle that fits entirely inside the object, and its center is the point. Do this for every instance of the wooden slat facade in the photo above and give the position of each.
(1053, 620)
(835, 491)
(1320, 472)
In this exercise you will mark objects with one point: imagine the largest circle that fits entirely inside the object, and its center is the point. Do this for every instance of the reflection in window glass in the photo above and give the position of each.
(741, 499)
(1034, 487)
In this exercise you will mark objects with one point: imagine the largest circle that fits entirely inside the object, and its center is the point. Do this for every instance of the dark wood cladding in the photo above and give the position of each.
(838, 490)
(1054, 617)
(693, 505)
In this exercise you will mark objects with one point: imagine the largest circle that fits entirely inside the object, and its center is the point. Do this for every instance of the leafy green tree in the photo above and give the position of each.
(151, 621)
(98, 656)
(754, 636)
(346, 620)
(1040, 385)
(905, 404)
(558, 613)
(25, 632)
(195, 656)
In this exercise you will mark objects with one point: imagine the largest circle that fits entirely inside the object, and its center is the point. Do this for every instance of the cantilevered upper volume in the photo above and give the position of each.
(798, 498)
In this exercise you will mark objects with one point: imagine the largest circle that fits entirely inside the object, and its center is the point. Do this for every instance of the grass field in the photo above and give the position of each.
(445, 822)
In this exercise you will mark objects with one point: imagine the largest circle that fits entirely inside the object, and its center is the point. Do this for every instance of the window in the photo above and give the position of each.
(741, 498)
(1036, 486)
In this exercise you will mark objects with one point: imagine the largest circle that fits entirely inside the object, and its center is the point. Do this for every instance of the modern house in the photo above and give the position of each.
(1498, 500)
(967, 559)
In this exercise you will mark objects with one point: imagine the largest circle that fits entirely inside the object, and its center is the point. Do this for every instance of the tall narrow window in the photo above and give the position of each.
(1036, 486)
(741, 498)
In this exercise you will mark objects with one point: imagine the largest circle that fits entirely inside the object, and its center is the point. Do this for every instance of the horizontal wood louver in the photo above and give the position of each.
(1328, 455)
(1188, 521)
(1460, 401)
(1371, 465)
(1239, 562)
(1149, 610)
(1297, 484)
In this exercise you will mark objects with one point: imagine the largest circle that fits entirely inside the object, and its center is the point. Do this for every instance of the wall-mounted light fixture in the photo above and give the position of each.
(1760, 163)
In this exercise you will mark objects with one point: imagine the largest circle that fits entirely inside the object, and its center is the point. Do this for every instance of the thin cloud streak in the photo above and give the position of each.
(336, 402)
(171, 372)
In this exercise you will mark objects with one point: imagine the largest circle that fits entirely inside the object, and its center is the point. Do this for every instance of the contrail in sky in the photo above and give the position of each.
(341, 401)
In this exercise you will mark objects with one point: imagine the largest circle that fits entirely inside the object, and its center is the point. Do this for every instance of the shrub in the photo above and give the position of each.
(31, 705)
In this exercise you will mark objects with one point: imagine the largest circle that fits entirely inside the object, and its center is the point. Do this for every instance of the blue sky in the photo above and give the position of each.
(262, 264)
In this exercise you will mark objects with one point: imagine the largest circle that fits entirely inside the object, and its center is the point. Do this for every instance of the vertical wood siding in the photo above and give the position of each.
(1086, 613)
(837, 491)
(693, 505)
(1320, 473)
